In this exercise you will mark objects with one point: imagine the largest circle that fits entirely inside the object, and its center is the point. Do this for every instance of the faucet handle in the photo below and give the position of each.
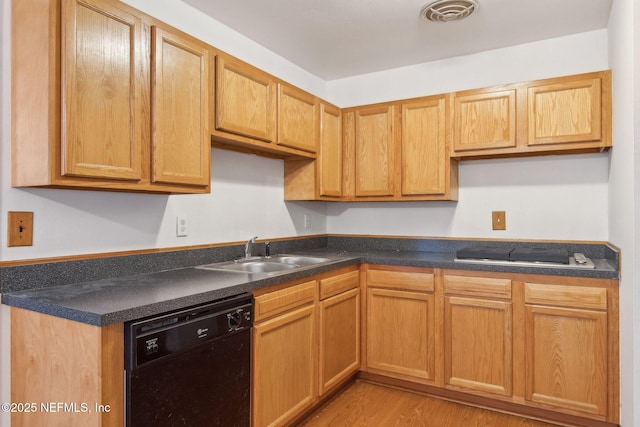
(267, 249)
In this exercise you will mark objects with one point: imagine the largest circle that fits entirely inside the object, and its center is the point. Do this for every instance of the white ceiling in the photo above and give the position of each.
(340, 38)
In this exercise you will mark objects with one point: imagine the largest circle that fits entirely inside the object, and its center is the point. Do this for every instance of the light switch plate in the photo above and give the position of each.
(20, 229)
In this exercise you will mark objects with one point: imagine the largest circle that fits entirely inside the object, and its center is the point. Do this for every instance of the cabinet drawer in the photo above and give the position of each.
(565, 296)
(401, 280)
(478, 286)
(338, 284)
(278, 302)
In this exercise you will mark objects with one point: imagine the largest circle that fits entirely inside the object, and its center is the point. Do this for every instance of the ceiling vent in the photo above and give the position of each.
(448, 10)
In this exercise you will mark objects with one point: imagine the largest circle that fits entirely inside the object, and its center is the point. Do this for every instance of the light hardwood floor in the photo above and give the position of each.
(367, 405)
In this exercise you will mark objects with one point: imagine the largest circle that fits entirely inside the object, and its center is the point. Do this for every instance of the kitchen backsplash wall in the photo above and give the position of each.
(554, 197)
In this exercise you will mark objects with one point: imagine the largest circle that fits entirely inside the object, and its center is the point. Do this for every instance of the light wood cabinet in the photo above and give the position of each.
(484, 119)
(478, 334)
(398, 151)
(339, 330)
(569, 114)
(306, 343)
(375, 147)
(320, 179)
(102, 85)
(426, 169)
(567, 335)
(180, 136)
(245, 100)
(544, 346)
(257, 113)
(93, 100)
(59, 360)
(330, 156)
(298, 118)
(565, 112)
(401, 324)
(284, 354)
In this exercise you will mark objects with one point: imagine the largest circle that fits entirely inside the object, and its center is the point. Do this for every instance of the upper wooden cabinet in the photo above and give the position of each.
(375, 147)
(298, 118)
(255, 112)
(102, 85)
(484, 120)
(426, 169)
(564, 114)
(330, 155)
(86, 94)
(398, 151)
(180, 115)
(245, 100)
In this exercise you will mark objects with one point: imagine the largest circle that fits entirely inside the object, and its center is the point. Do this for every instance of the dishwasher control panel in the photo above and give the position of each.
(154, 338)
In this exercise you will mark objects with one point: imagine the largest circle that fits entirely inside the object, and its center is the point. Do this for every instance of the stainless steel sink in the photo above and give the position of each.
(272, 264)
(297, 259)
(255, 266)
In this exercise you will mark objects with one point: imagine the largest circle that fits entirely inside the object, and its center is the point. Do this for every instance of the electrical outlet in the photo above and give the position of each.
(20, 229)
(499, 220)
(181, 226)
(307, 221)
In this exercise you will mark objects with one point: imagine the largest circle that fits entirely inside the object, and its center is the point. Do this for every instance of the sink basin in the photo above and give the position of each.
(255, 266)
(297, 259)
(271, 264)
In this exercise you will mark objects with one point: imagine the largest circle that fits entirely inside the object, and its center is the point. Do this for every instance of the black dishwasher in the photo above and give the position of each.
(191, 367)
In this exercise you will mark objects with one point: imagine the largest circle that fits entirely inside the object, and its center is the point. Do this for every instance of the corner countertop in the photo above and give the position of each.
(117, 300)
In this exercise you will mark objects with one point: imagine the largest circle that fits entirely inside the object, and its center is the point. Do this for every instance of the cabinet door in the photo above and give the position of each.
(565, 112)
(102, 91)
(484, 120)
(245, 100)
(330, 155)
(424, 156)
(401, 333)
(180, 133)
(374, 151)
(285, 366)
(478, 344)
(566, 341)
(298, 119)
(339, 338)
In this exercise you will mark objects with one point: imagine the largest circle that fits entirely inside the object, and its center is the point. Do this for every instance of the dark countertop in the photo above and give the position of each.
(117, 300)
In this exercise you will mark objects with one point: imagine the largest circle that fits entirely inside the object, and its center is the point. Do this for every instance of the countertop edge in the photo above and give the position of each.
(22, 299)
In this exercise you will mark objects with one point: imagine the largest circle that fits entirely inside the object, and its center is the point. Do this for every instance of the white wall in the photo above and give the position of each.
(553, 197)
(624, 196)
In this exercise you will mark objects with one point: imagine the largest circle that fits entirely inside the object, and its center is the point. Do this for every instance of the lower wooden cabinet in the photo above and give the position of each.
(478, 334)
(400, 326)
(306, 340)
(567, 337)
(339, 330)
(59, 360)
(543, 346)
(284, 366)
(284, 354)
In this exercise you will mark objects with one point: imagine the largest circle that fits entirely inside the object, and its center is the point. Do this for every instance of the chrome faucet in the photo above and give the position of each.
(248, 246)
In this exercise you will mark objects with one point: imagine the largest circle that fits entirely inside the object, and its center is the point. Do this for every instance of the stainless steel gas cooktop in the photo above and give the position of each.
(523, 257)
